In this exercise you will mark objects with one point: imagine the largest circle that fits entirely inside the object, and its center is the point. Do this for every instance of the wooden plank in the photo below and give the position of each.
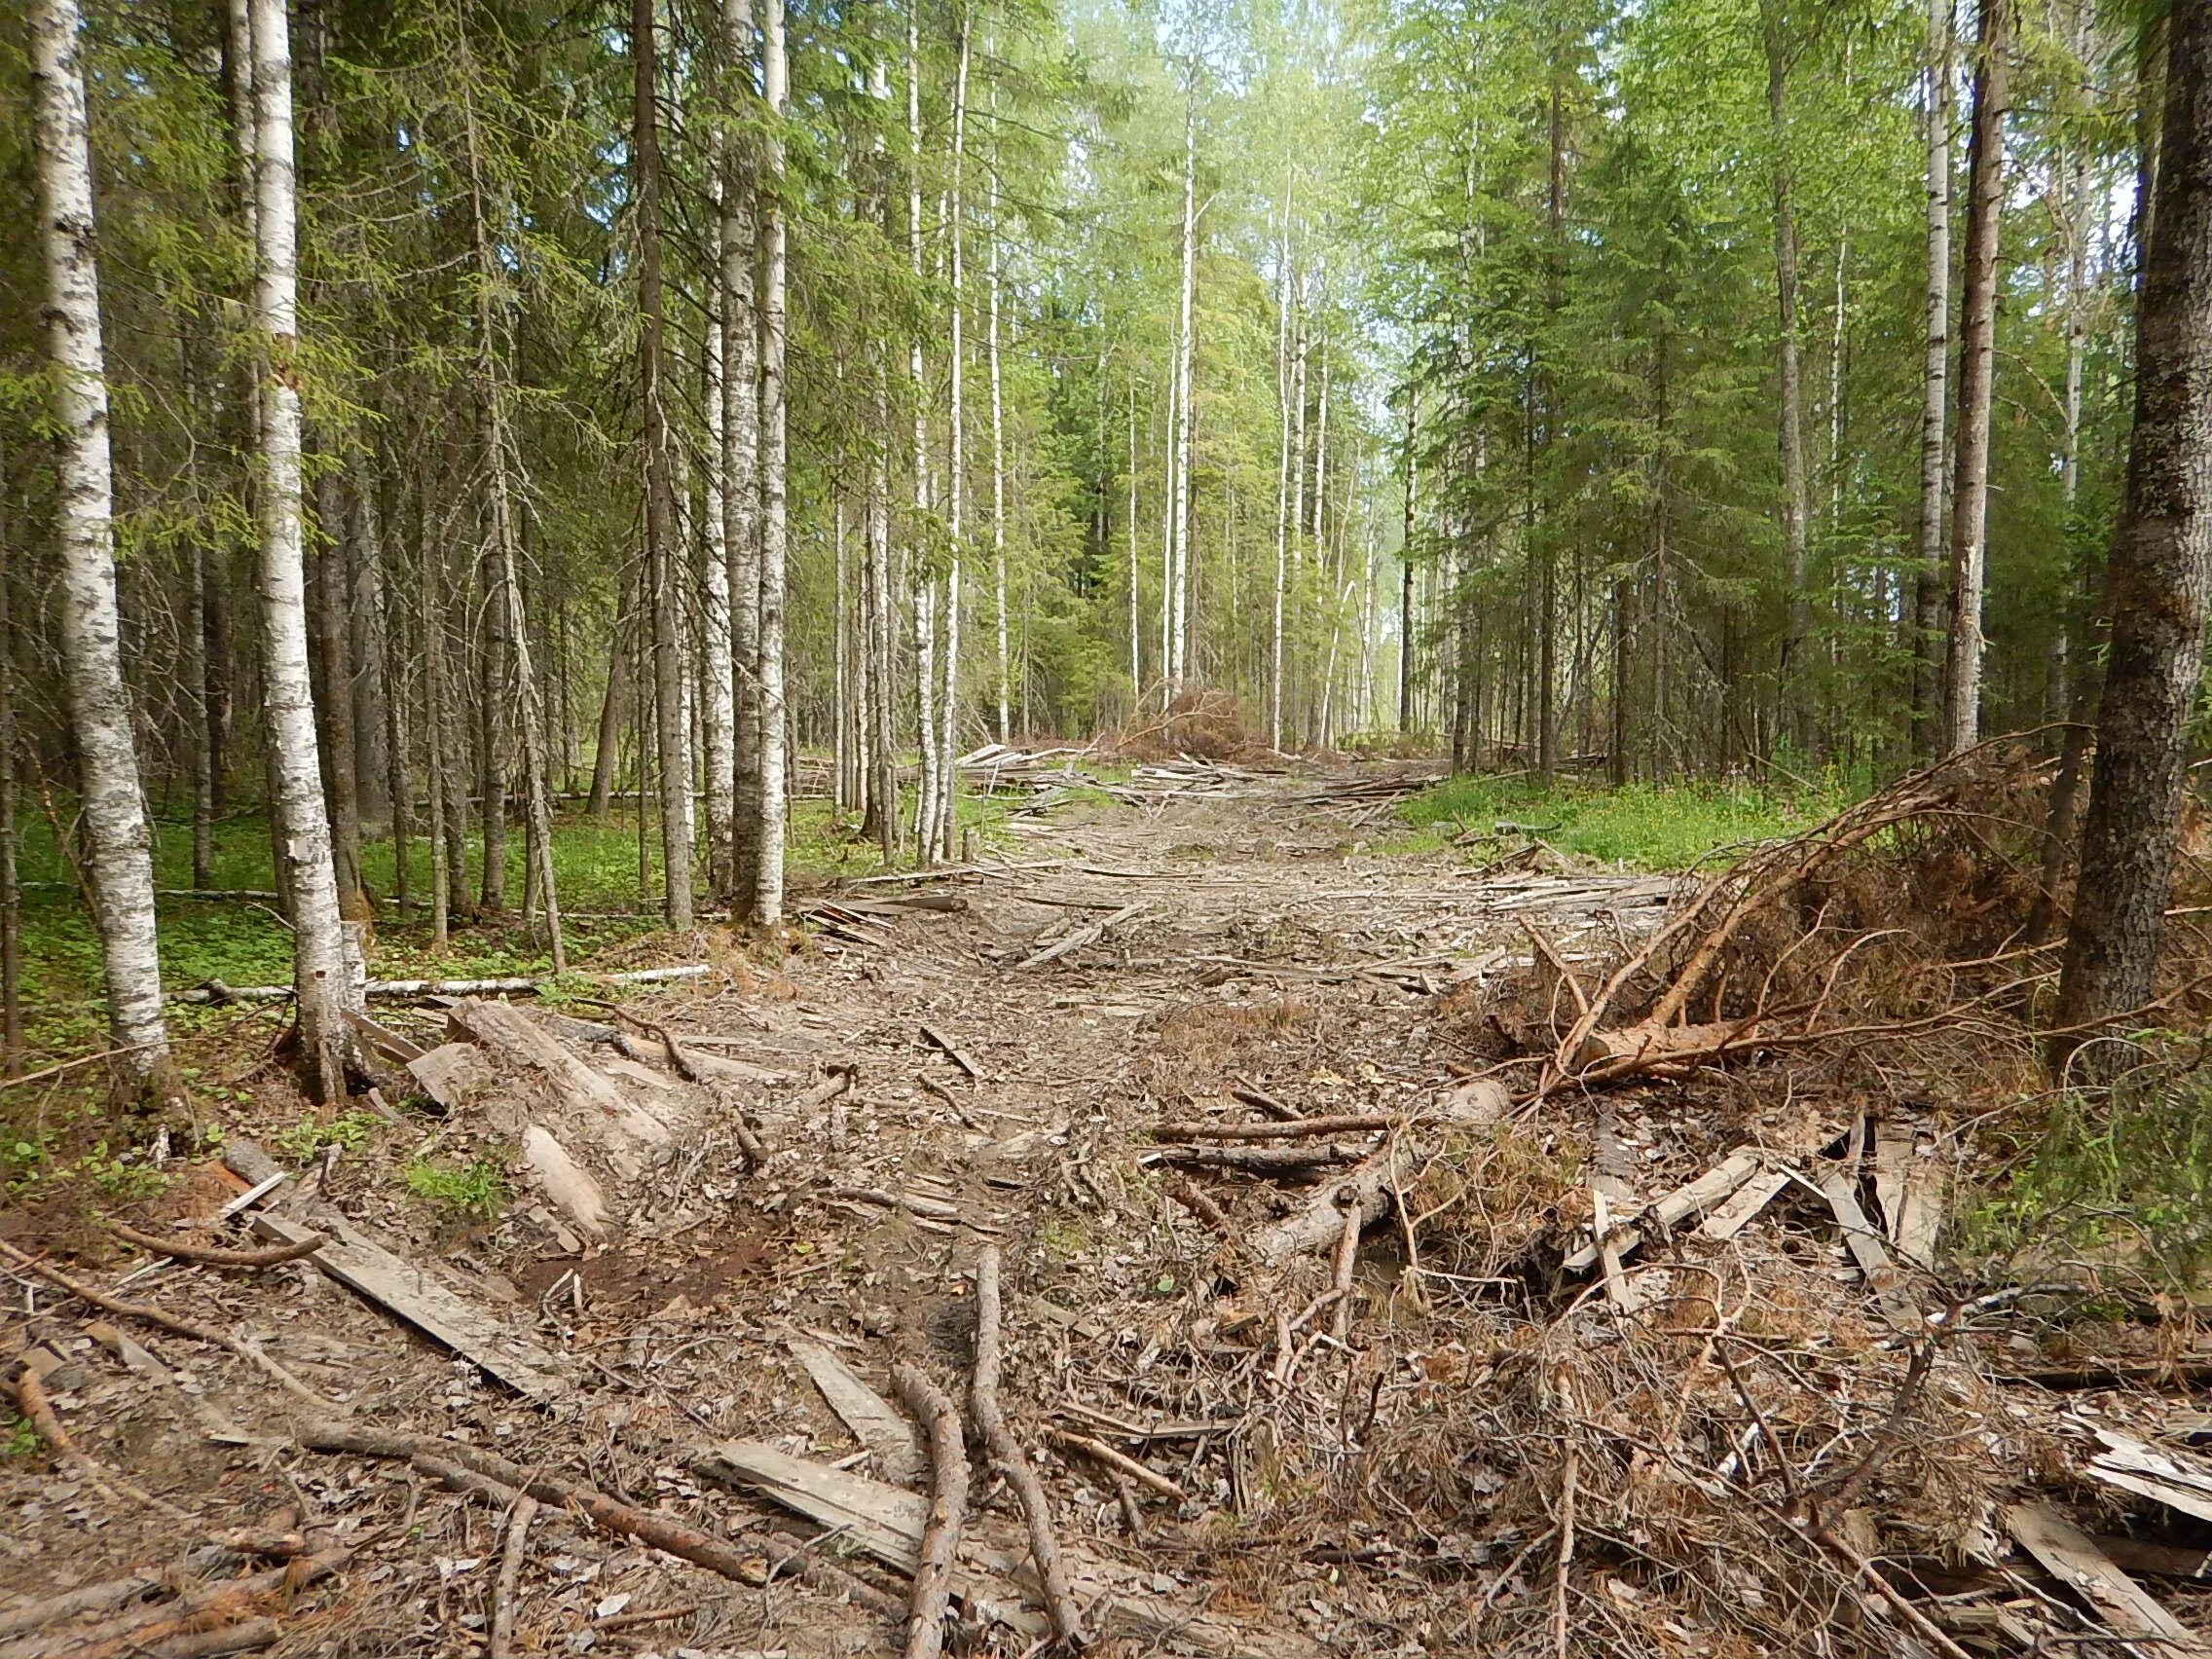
(1738, 1213)
(875, 1422)
(994, 1568)
(1835, 1184)
(951, 1050)
(405, 1290)
(2072, 1556)
(2152, 1472)
(1690, 1198)
(1089, 933)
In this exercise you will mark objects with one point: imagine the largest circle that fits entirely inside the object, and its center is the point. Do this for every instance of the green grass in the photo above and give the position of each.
(245, 944)
(477, 1189)
(1641, 825)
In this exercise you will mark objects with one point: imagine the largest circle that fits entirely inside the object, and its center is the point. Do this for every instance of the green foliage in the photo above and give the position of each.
(1671, 827)
(2120, 1179)
(50, 1155)
(17, 1438)
(477, 1189)
(349, 1131)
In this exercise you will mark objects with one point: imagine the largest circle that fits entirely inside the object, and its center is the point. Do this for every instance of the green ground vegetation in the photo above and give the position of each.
(1645, 825)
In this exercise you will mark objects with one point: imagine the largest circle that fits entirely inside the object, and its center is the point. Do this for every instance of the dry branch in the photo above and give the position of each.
(948, 1511)
(214, 1256)
(1007, 1454)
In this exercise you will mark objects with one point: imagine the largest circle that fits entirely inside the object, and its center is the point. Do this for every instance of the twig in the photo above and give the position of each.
(1350, 1123)
(948, 1511)
(1262, 1159)
(510, 1577)
(168, 1321)
(1347, 1258)
(1187, 1193)
(1253, 1095)
(1565, 1559)
(30, 1396)
(214, 1256)
(1098, 1452)
(1006, 1453)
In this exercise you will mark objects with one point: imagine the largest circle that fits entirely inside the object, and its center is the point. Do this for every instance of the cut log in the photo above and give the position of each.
(994, 1568)
(406, 1291)
(875, 1422)
(2072, 1556)
(1089, 933)
(452, 1074)
(1318, 1224)
(567, 1184)
(1692, 1197)
(1662, 1048)
(583, 1102)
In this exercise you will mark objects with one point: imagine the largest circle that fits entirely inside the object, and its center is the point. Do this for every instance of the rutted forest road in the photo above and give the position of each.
(1246, 946)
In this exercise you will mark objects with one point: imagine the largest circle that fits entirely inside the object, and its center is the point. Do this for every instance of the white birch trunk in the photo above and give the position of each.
(765, 906)
(998, 443)
(956, 479)
(1934, 375)
(741, 452)
(1179, 590)
(1282, 480)
(1136, 599)
(321, 973)
(100, 703)
(925, 586)
(718, 706)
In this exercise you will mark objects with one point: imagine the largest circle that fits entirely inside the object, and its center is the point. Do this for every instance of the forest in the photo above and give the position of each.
(762, 660)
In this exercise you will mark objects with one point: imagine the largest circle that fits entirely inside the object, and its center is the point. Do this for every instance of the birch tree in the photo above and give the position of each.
(116, 831)
(322, 976)
(766, 900)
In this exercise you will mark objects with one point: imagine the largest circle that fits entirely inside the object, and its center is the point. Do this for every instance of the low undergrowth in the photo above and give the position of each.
(1646, 826)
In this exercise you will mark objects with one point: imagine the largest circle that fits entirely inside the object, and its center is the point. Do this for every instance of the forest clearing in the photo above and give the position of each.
(1025, 826)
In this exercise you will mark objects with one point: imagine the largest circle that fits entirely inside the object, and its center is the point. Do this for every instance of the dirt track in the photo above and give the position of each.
(1270, 953)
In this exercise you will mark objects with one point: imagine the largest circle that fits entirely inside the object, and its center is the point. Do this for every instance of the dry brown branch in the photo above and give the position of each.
(948, 1511)
(1187, 1193)
(1350, 1123)
(149, 1314)
(504, 1597)
(1098, 1452)
(1007, 1454)
(214, 1256)
(1263, 1159)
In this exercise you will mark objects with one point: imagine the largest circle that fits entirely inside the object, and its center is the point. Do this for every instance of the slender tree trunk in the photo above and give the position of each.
(998, 438)
(11, 886)
(366, 651)
(717, 704)
(1927, 582)
(1406, 568)
(490, 410)
(661, 563)
(1282, 475)
(767, 903)
(925, 583)
(1136, 598)
(1978, 366)
(606, 750)
(431, 577)
(339, 767)
(1179, 657)
(1797, 509)
(114, 818)
(741, 444)
(322, 980)
(2160, 575)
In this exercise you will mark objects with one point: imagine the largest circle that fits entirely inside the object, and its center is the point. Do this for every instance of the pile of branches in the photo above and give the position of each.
(1918, 913)
(1196, 724)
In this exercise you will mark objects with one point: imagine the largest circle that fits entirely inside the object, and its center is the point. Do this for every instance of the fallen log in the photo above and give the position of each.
(513, 985)
(1258, 1159)
(1369, 1186)
(947, 1512)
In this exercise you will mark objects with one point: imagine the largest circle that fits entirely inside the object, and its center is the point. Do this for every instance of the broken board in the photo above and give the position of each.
(875, 1422)
(2072, 1556)
(886, 1522)
(405, 1290)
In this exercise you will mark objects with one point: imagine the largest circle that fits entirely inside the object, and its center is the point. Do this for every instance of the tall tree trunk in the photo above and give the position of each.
(336, 702)
(766, 903)
(114, 817)
(1797, 509)
(490, 414)
(1928, 580)
(925, 584)
(718, 703)
(661, 563)
(366, 651)
(1136, 597)
(1406, 565)
(1977, 365)
(1283, 474)
(741, 444)
(956, 470)
(607, 748)
(322, 978)
(2161, 574)
(998, 437)
(11, 886)
(493, 735)
(1185, 356)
